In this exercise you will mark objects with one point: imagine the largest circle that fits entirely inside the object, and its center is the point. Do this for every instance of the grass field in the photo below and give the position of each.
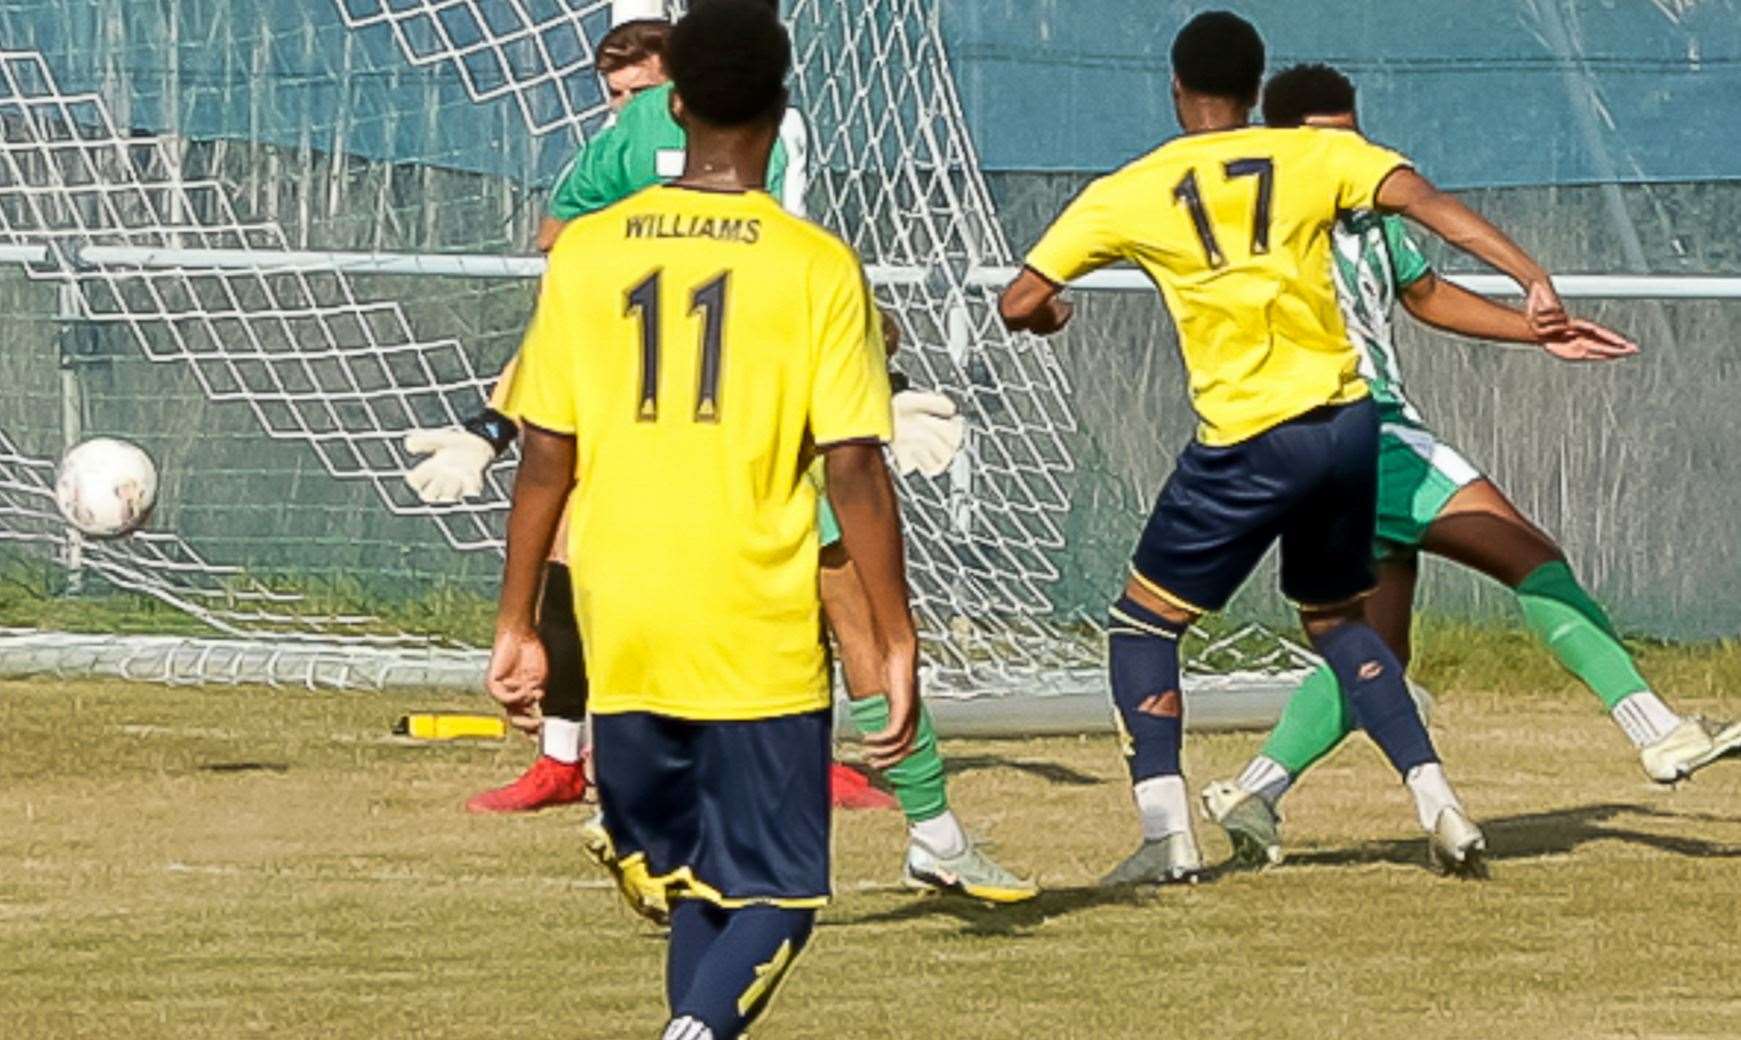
(206, 863)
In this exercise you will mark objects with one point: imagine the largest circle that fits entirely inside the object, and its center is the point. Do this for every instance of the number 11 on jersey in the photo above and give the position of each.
(709, 299)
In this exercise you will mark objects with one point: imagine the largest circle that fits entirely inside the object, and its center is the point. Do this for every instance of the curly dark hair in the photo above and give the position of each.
(1306, 90)
(729, 60)
(1221, 54)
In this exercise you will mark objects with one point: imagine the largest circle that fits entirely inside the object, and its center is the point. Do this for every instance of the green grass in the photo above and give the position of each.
(1494, 656)
(1504, 660)
(34, 595)
(197, 863)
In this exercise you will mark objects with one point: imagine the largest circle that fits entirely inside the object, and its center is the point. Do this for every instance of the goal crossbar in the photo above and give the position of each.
(478, 265)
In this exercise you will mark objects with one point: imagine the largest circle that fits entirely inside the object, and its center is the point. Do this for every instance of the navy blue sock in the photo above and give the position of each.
(736, 975)
(1372, 679)
(695, 924)
(1143, 657)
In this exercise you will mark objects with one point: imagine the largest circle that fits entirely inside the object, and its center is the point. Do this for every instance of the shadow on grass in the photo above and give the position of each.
(1051, 772)
(954, 765)
(245, 767)
(1551, 833)
(1009, 921)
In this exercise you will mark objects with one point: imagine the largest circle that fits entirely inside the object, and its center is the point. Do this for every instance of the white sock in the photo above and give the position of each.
(686, 1028)
(1265, 778)
(1432, 792)
(561, 739)
(1163, 806)
(1644, 718)
(942, 835)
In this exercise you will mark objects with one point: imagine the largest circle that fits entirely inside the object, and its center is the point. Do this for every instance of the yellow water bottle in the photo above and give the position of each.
(451, 725)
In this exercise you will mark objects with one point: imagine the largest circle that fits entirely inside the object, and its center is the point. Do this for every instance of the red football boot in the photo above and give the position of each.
(548, 782)
(850, 789)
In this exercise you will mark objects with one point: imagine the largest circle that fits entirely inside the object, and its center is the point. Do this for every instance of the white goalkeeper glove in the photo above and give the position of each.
(928, 433)
(455, 466)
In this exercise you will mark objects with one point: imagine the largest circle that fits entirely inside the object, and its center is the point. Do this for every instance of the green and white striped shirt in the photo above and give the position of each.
(1375, 261)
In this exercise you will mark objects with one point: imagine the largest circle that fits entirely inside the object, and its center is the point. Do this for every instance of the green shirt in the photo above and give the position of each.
(645, 146)
(1375, 261)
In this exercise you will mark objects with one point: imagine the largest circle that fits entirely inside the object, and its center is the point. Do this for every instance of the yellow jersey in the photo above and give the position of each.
(1233, 227)
(699, 345)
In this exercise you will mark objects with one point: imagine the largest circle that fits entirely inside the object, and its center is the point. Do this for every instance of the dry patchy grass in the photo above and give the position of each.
(204, 863)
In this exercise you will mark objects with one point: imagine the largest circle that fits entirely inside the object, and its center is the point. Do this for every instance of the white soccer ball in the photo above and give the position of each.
(106, 487)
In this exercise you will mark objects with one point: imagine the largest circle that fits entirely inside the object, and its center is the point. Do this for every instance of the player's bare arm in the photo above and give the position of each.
(1032, 304)
(1445, 305)
(863, 496)
(518, 667)
(1408, 193)
(891, 332)
(548, 229)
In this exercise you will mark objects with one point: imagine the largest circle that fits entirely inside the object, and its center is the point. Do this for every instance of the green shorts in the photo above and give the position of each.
(1418, 474)
(827, 527)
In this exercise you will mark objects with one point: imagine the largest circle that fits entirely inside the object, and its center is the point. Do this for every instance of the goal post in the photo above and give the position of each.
(215, 260)
(266, 239)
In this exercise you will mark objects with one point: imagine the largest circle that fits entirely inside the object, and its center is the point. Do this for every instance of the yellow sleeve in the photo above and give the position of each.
(504, 383)
(541, 391)
(849, 387)
(1361, 167)
(1083, 238)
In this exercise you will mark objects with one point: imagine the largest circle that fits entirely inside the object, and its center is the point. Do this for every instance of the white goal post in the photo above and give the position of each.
(1119, 279)
(1240, 698)
(314, 287)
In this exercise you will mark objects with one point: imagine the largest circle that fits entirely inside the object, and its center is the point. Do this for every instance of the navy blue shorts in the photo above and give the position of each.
(1311, 482)
(731, 812)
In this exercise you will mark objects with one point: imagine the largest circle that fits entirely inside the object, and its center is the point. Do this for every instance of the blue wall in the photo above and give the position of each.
(1480, 92)
(1476, 91)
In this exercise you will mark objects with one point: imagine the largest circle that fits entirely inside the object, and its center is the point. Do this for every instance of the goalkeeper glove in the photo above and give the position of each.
(928, 433)
(457, 457)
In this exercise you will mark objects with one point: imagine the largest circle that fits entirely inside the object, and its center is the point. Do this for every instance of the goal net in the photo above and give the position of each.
(265, 239)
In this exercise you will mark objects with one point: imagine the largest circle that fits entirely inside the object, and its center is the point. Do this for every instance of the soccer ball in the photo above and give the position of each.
(106, 487)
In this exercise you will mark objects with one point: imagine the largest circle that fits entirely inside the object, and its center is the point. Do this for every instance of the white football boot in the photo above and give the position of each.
(1455, 845)
(1253, 826)
(1688, 748)
(972, 874)
(1171, 860)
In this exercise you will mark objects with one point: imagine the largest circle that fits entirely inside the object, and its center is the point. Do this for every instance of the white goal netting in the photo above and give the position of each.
(174, 197)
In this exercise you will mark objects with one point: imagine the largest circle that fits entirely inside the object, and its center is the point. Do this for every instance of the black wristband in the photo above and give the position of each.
(898, 381)
(494, 427)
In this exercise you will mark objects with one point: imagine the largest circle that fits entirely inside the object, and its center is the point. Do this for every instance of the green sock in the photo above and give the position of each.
(918, 778)
(1578, 632)
(1315, 721)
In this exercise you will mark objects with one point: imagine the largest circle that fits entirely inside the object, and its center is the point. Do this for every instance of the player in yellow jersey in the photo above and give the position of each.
(628, 61)
(643, 147)
(1433, 500)
(693, 348)
(1233, 224)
